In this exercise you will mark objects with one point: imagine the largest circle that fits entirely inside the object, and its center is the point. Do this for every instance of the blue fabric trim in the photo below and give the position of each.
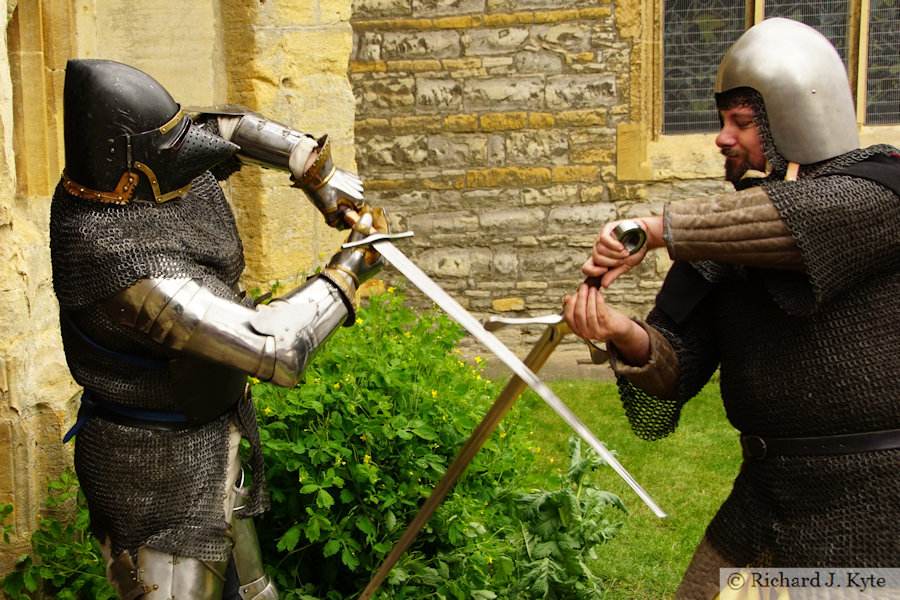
(90, 403)
(147, 363)
(84, 413)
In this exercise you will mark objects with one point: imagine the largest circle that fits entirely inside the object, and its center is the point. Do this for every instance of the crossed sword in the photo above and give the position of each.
(632, 236)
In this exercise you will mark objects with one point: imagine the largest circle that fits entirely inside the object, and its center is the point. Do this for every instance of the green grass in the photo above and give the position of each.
(689, 474)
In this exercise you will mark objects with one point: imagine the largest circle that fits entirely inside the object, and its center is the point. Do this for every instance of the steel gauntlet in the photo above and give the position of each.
(352, 266)
(333, 191)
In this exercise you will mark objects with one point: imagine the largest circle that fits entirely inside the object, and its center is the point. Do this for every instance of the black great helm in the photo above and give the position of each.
(120, 123)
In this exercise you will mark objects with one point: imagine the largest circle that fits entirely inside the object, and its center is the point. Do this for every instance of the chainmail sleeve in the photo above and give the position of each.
(847, 228)
(680, 318)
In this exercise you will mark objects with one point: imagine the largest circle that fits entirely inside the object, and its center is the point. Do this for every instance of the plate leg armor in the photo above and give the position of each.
(247, 556)
(162, 576)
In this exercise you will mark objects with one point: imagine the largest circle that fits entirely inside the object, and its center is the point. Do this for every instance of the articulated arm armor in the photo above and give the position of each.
(273, 342)
(272, 145)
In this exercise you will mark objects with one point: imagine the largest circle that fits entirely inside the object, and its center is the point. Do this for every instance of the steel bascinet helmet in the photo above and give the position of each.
(803, 84)
(120, 122)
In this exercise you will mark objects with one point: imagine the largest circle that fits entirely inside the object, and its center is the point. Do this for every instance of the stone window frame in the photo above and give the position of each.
(644, 153)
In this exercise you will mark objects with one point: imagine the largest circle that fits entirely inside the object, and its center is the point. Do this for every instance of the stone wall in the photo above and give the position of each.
(505, 133)
(35, 386)
(488, 127)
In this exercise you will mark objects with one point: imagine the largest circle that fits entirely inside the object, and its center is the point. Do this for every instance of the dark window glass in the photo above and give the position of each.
(828, 17)
(883, 75)
(696, 35)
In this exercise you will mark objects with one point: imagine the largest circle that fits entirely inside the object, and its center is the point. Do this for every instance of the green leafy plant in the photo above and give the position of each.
(354, 450)
(66, 562)
(5, 529)
(560, 530)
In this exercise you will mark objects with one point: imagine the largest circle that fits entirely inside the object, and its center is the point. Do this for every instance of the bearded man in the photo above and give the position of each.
(146, 260)
(790, 287)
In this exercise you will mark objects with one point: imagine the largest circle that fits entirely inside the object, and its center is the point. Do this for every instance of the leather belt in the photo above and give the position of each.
(760, 448)
(92, 406)
(158, 421)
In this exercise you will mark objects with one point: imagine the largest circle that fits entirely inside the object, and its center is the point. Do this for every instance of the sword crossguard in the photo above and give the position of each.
(495, 323)
(377, 237)
(599, 355)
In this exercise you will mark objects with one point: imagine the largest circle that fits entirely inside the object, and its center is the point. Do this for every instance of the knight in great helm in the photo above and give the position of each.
(790, 287)
(146, 259)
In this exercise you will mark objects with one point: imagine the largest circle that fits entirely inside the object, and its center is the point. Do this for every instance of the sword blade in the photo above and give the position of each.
(459, 314)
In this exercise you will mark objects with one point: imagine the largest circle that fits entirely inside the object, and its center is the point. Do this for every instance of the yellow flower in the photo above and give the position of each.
(337, 385)
(434, 393)
(391, 290)
(254, 380)
(478, 359)
(267, 411)
(363, 437)
(407, 334)
(502, 435)
(367, 459)
(490, 560)
(359, 321)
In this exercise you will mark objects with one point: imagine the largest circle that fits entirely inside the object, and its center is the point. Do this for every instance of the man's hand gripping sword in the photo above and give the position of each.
(523, 375)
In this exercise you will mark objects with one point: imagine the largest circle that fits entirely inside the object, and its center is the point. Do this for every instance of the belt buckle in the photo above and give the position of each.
(754, 447)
